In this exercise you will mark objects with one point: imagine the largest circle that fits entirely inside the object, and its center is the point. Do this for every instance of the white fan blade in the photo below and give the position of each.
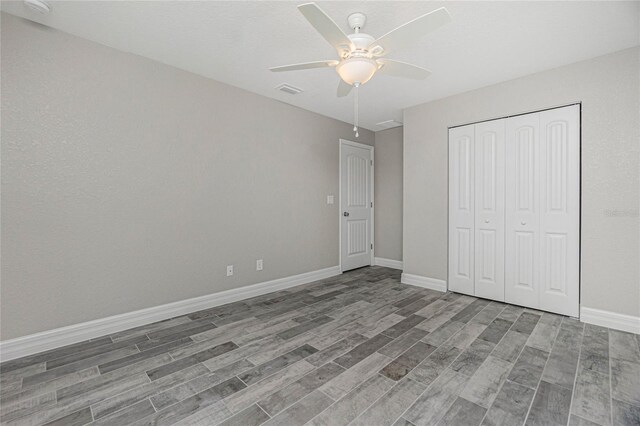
(402, 69)
(343, 89)
(305, 66)
(326, 26)
(412, 31)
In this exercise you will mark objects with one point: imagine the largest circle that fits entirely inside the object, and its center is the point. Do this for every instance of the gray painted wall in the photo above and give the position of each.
(388, 194)
(609, 89)
(128, 184)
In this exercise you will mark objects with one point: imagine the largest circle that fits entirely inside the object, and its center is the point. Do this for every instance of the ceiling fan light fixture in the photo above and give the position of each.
(361, 54)
(356, 70)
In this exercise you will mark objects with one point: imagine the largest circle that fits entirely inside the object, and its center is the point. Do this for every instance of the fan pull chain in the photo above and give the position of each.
(355, 110)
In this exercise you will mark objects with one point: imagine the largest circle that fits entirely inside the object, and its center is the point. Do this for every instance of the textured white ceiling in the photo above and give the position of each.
(236, 42)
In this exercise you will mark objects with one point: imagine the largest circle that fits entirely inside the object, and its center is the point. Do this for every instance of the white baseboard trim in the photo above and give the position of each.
(388, 263)
(51, 339)
(424, 282)
(610, 319)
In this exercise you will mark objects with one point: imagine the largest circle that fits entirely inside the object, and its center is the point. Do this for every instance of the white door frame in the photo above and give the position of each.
(372, 165)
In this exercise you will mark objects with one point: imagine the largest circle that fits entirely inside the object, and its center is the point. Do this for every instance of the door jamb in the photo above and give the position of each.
(372, 177)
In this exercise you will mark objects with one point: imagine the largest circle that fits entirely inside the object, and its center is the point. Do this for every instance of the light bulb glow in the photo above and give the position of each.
(356, 70)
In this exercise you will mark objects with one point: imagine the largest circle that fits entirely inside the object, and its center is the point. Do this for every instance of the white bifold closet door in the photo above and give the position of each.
(522, 211)
(514, 210)
(461, 211)
(560, 210)
(489, 209)
(543, 210)
(476, 209)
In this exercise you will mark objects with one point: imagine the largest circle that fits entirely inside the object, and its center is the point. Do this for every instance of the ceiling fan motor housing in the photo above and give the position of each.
(361, 41)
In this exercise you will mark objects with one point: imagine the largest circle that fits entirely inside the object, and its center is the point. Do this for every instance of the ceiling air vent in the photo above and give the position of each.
(287, 88)
(389, 124)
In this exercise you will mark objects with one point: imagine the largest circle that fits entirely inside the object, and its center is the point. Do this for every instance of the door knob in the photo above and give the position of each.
(523, 223)
(345, 214)
(486, 221)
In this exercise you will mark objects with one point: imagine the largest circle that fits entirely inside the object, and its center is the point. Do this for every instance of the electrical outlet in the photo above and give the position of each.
(259, 265)
(229, 270)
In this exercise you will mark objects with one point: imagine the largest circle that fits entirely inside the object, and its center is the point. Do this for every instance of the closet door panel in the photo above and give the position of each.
(522, 210)
(461, 207)
(489, 209)
(560, 210)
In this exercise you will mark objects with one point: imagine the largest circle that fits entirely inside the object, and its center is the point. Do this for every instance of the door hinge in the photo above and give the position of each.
(372, 204)
(371, 246)
(371, 162)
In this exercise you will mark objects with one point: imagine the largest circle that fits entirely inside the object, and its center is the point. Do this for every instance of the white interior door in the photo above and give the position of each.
(560, 210)
(522, 217)
(461, 216)
(356, 162)
(489, 209)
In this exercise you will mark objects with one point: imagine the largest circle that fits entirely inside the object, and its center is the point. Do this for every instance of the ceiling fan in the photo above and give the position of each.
(360, 55)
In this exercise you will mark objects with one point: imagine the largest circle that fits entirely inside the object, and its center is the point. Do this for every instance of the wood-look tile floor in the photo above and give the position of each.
(359, 348)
